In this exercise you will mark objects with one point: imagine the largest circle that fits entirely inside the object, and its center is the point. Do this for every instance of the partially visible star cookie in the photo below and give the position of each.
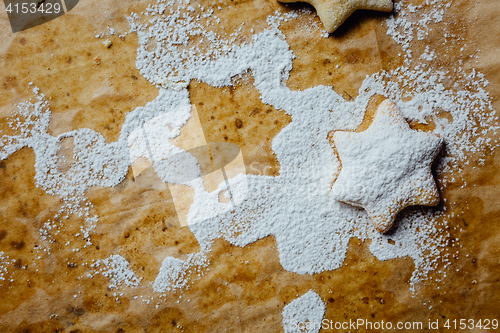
(334, 12)
(387, 167)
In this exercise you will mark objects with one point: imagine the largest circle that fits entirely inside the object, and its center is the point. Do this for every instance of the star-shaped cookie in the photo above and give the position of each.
(387, 167)
(334, 12)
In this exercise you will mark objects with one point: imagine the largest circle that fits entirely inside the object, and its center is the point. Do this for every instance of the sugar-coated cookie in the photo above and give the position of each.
(387, 167)
(334, 12)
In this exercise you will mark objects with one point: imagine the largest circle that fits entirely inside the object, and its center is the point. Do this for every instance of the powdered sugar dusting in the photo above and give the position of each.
(117, 269)
(4, 262)
(304, 314)
(306, 159)
(173, 271)
(179, 43)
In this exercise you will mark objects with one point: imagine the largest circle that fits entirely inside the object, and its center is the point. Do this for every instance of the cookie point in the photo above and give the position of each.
(382, 228)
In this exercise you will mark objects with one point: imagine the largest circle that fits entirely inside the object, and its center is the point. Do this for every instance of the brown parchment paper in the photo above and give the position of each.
(244, 289)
